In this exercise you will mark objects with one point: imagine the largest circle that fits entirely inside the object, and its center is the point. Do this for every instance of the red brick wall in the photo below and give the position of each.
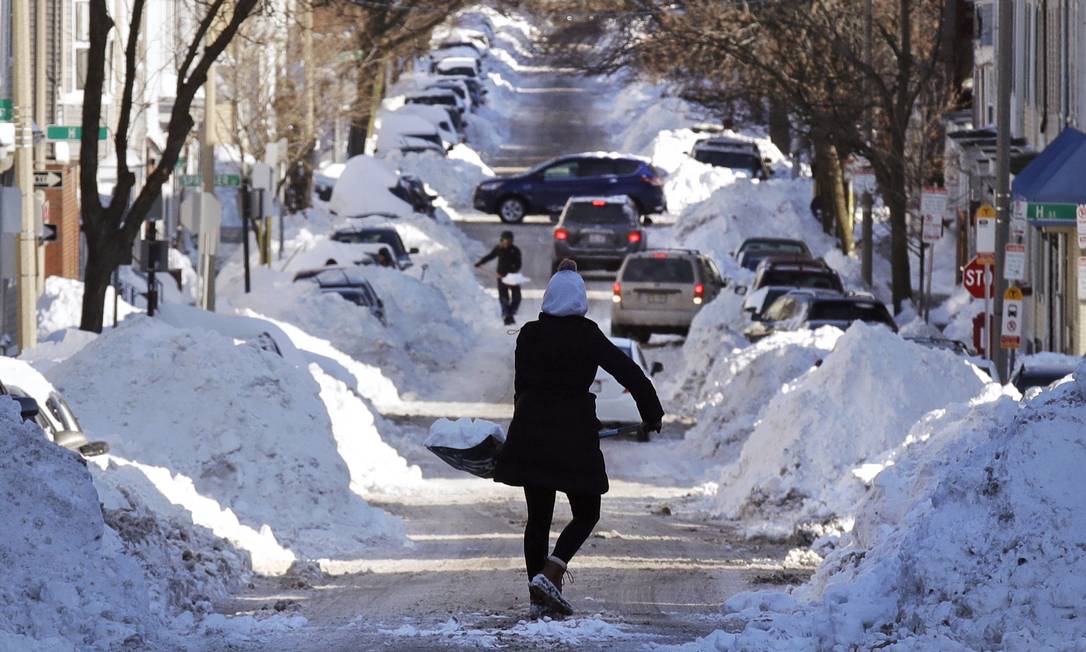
(62, 255)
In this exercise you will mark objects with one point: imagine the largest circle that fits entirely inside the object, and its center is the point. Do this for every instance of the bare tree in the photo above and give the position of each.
(111, 229)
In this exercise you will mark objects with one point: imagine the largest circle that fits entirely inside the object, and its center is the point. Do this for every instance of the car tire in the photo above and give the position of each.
(511, 210)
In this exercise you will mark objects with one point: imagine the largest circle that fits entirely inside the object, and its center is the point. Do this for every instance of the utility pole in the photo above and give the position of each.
(207, 171)
(24, 175)
(867, 258)
(39, 77)
(1004, 61)
(310, 107)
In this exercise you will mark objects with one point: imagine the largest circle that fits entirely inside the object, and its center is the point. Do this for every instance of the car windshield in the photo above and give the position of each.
(727, 159)
(800, 279)
(765, 248)
(658, 270)
(591, 213)
(849, 311)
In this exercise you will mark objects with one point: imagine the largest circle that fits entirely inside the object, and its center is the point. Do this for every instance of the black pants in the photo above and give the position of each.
(537, 533)
(509, 304)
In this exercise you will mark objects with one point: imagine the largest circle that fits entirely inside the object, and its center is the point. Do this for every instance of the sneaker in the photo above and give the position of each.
(545, 591)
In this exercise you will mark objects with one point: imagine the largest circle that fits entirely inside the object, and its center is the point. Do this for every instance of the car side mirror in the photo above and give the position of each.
(28, 407)
(740, 290)
(657, 367)
(413, 250)
(646, 220)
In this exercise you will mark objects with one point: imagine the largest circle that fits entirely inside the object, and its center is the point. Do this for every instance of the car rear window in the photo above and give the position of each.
(781, 247)
(849, 311)
(587, 213)
(727, 159)
(626, 166)
(658, 270)
(802, 280)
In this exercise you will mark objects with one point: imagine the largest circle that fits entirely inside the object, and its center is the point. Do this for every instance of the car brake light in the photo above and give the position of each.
(633, 237)
(561, 234)
(699, 294)
(659, 254)
(651, 180)
(598, 202)
(617, 290)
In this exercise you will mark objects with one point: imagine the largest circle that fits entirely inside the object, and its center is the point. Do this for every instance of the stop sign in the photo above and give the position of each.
(976, 276)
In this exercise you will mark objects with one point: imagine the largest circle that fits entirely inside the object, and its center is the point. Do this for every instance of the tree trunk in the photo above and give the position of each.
(838, 202)
(824, 182)
(894, 195)
(780, 128)
(96, 279)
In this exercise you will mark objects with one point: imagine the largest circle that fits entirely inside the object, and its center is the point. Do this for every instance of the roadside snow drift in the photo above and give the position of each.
(233, 434)
(826, 434)
(973, 540)
(66, 582)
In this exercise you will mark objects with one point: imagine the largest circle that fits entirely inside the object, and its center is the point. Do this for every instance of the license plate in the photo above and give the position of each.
(596, 238)
(657, 298)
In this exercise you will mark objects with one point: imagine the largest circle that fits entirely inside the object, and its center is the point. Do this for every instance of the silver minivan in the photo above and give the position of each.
(660, 291)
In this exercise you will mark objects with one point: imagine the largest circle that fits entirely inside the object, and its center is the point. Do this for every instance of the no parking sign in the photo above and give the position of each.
(1011, 333)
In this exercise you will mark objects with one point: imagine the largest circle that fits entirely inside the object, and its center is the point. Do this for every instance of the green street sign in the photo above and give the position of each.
(181, 160)
(5, 111)
(221, 181)
(1050, 212)
(66, 132)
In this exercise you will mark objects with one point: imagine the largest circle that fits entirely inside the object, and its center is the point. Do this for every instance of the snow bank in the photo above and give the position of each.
(233, 434)
(738, 385)
(828, 433)
(67, 584)
(972, 540)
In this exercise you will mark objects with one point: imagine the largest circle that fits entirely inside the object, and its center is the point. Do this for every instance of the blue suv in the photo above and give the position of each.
(547, 188)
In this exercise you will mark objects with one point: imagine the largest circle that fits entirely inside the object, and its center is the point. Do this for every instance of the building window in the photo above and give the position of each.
(983, 28)
(82, 20)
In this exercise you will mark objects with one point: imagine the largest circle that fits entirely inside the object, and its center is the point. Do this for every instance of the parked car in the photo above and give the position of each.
(614, 405)
(796, 272)
(597, 231)
(466, 66)
(547, 188)
(348, 283)
(757, 302)
(435, 115)
(440, 97)
(408, 133)
(1042, 369)
(735, 155)
(412, 190)
(473, 84)
(755, 250)
(58, 422)
(457, 87)
(812, 308)
(378, 235)
(660, 291)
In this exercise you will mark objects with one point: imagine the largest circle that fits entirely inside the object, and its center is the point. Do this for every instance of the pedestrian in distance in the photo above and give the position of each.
(553, 441)
(509, 262)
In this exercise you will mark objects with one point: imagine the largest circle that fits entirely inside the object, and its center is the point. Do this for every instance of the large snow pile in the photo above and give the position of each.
(66, 584)
(363, 187)
(453, 177)
(826, 434)
(235, 435)
(738, 385)
(972, 540)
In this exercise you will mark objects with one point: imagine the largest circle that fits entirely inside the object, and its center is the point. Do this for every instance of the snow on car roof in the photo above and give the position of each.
(613, 155)
(457, 62)
(432, 92)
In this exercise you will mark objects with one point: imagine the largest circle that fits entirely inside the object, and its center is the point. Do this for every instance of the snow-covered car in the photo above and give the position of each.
(365, 185)
(436, 116)
(386, 237)
(754, 250)
(615, 405)
(467, 66)
(59, 424)
(757, 302)
(810, 309)
(439, 97)
(253, 331)
(348, 283)
(456, 86)
(408, 133)
(1042, 369)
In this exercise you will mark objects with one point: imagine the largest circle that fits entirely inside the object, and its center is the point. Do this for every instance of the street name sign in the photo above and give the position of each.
(71, 132)
(221, 181)
(46, 179)
(5, 110)
(977, 277)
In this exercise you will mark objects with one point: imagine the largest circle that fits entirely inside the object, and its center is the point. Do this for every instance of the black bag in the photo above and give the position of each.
(478, 460)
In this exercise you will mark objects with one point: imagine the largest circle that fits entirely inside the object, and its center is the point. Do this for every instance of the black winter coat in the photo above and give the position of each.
(553, 441)
(509, 260)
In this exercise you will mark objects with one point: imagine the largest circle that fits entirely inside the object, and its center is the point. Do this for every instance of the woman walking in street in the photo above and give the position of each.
(553, 440)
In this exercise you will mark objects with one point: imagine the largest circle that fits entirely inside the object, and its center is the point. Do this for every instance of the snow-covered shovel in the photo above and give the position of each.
(470, 445)
(635, 430)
